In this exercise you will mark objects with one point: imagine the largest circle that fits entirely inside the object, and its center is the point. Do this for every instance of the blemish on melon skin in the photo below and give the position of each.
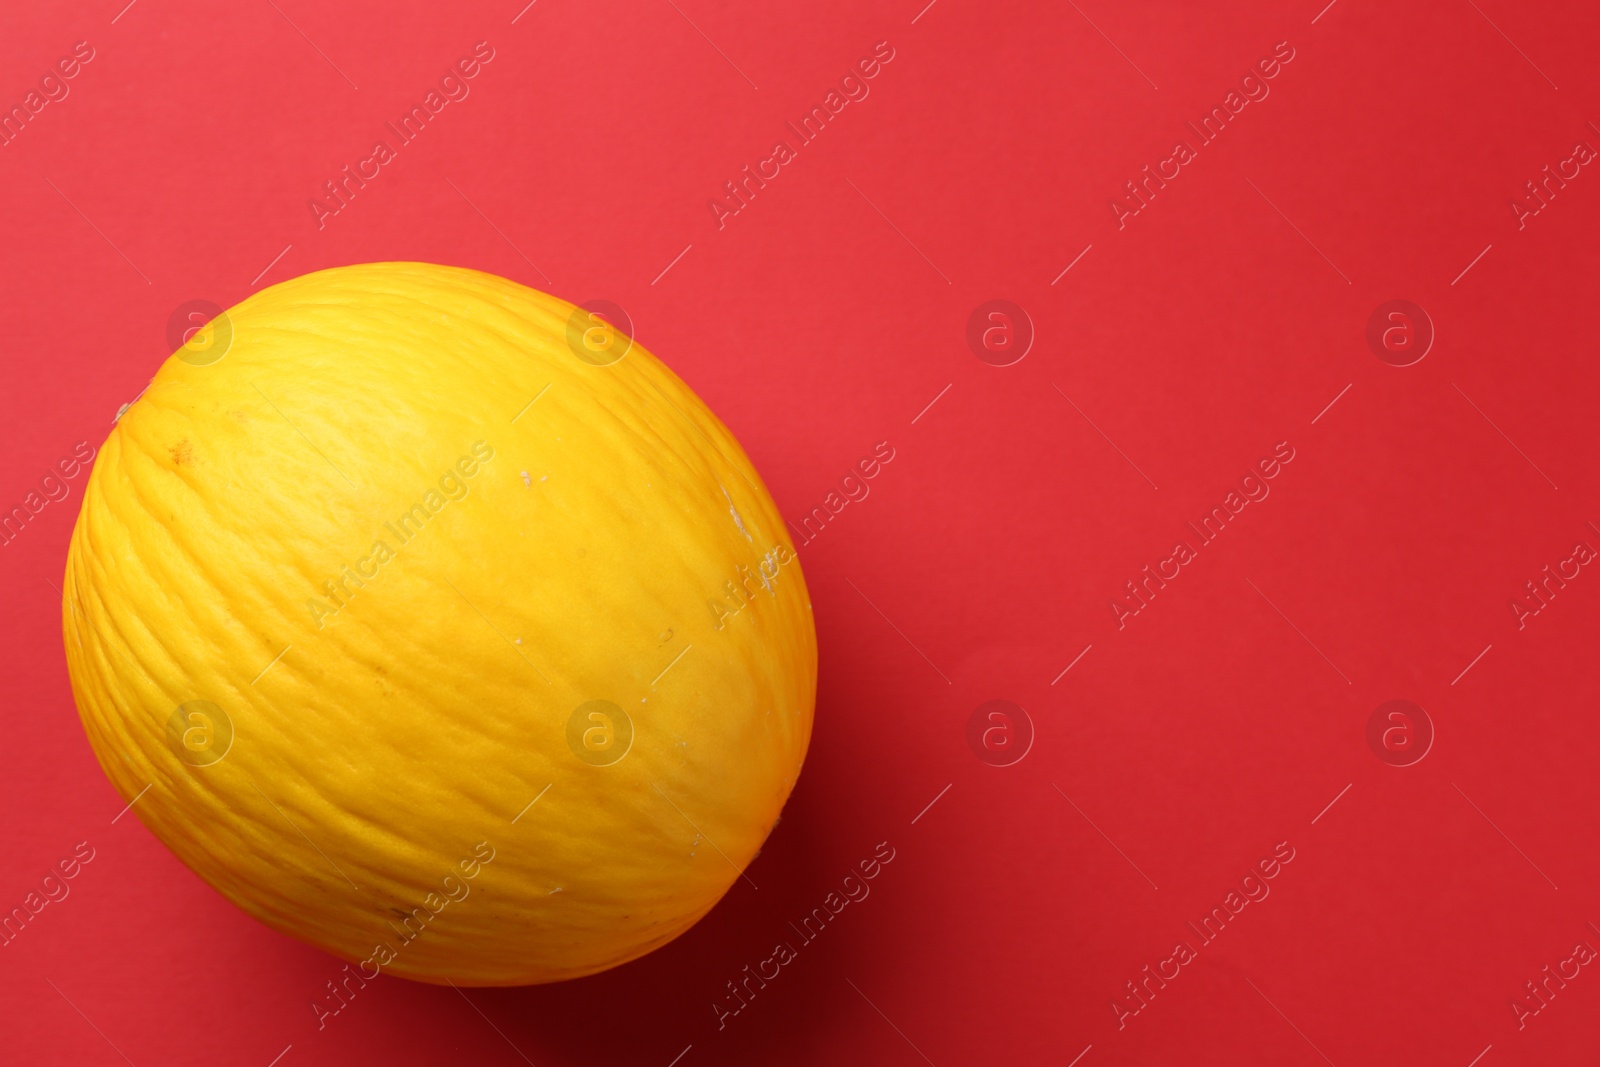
(737, 521)
(525, 479)
(181, 453)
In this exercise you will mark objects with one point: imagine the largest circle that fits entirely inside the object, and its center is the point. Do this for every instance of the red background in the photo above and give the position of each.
(1222, 319)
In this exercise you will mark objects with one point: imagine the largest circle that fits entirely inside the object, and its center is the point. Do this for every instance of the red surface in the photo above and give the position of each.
(1221, 319)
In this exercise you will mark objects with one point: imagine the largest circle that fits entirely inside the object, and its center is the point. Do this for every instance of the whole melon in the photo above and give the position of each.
(433, 621)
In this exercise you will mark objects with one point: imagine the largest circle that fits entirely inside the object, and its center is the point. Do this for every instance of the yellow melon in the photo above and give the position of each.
(435, 622)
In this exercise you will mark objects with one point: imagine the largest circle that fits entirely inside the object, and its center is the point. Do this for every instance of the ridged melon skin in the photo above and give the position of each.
(616, 545)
